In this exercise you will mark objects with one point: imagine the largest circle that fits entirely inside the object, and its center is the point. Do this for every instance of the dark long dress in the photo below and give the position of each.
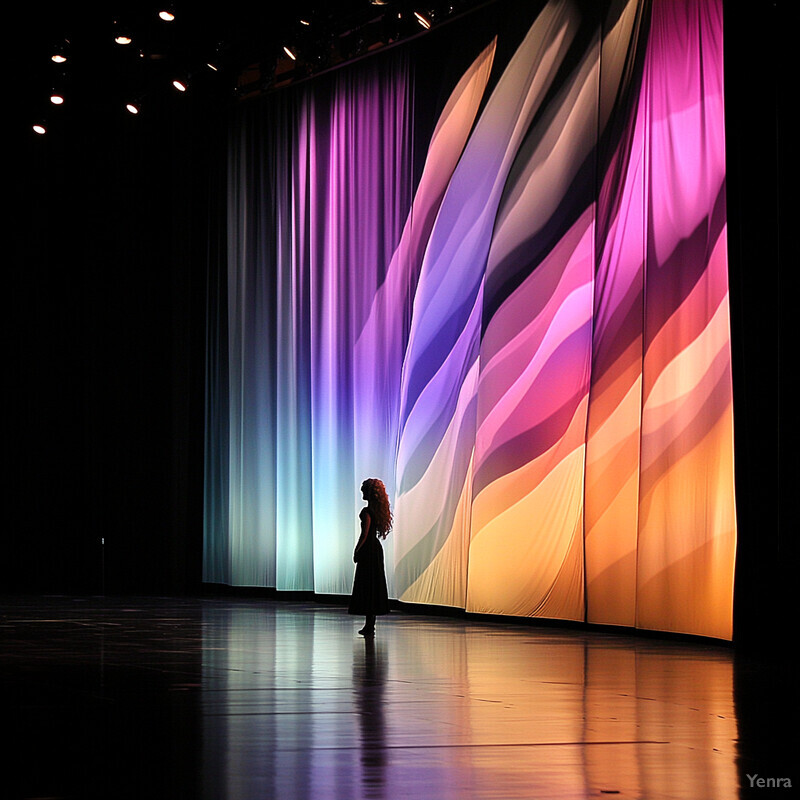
(370, 597)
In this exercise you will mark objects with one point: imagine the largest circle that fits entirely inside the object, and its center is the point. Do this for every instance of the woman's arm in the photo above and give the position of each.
(365, 522)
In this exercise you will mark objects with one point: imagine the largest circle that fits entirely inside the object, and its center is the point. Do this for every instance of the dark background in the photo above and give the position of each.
(116, 232)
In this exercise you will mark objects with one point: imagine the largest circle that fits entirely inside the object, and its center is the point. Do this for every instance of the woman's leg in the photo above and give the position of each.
(369, 626)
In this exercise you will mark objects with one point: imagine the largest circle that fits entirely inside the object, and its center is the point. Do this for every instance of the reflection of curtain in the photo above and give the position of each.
(530, 345)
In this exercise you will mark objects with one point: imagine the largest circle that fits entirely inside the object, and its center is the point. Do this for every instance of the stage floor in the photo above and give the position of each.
(247, 698)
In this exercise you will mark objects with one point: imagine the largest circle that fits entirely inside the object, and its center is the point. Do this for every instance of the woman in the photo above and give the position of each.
(370, 597)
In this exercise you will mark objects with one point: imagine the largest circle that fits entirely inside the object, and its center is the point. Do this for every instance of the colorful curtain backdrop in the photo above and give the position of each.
(509, 301)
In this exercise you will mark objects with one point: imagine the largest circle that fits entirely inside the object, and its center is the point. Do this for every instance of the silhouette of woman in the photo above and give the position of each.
(370, 597)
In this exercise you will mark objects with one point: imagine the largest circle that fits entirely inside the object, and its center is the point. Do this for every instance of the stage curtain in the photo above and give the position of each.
(516, 316)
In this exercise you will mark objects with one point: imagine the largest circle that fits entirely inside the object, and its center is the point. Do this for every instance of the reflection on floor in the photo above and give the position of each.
(218, 698)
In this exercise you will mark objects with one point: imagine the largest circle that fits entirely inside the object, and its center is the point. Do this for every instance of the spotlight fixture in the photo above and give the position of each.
(60, 52)
(122, 34)
(168, 14)
(216, 61)
(180, 85)
(423, 20)
(56, 98)
(39, 128)
(289, 53)
(132, 108)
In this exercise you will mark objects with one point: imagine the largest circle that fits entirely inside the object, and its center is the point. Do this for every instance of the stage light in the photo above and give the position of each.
(289, 53)
(132, 108)
(40, 129)
(60, 52)
(305, 22)
(180, 85)
(423, 20)
(122, 34)
(212, 67)
(57, 99)
(167, 15)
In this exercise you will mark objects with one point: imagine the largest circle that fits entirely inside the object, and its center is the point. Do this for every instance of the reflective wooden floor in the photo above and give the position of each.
(218, 698)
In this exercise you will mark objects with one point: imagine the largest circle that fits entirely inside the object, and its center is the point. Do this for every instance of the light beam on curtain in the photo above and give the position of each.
(530, 345)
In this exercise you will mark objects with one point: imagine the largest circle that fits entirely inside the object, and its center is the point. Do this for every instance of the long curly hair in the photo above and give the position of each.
(378, 504)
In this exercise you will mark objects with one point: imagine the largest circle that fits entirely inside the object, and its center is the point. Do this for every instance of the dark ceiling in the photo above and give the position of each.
(244, 39)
